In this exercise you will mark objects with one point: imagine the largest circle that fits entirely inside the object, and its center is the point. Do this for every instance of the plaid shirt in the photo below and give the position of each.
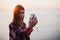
(15, 33)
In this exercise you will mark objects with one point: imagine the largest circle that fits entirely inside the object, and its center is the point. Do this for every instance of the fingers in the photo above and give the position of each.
(33, 21)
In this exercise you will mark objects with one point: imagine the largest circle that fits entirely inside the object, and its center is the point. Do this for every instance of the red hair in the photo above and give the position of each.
(16, 12)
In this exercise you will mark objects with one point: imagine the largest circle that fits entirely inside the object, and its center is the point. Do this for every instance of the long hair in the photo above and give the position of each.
(16, 13)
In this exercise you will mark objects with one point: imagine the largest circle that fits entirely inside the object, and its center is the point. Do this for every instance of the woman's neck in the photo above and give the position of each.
(21, 22)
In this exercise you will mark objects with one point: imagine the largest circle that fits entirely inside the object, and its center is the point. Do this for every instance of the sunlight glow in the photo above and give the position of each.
(30, 4)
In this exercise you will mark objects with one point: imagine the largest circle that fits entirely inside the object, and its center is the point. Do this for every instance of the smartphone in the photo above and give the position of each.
(32, 16)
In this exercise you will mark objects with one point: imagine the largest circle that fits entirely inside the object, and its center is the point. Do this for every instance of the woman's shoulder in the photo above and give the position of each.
(11, 24)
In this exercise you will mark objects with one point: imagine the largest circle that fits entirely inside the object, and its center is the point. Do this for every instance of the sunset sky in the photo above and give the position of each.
(29, 4)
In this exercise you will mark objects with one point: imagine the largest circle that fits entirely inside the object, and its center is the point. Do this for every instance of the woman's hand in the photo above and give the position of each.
(33, 22)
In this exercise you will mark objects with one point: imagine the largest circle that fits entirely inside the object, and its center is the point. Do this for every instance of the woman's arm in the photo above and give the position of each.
(32, 23)
(29, 32)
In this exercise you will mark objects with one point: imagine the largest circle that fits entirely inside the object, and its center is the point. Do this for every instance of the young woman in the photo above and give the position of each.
(17, 28)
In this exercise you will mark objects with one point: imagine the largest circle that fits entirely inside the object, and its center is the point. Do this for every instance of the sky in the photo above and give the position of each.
(46, 11)
(29, 4)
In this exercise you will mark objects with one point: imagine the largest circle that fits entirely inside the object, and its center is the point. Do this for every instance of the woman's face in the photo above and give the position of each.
(21, 15)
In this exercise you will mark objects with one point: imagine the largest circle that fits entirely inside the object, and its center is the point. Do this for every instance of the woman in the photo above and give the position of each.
(17, 28)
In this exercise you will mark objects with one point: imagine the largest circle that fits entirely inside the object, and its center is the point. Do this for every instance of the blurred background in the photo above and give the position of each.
(47, 12)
